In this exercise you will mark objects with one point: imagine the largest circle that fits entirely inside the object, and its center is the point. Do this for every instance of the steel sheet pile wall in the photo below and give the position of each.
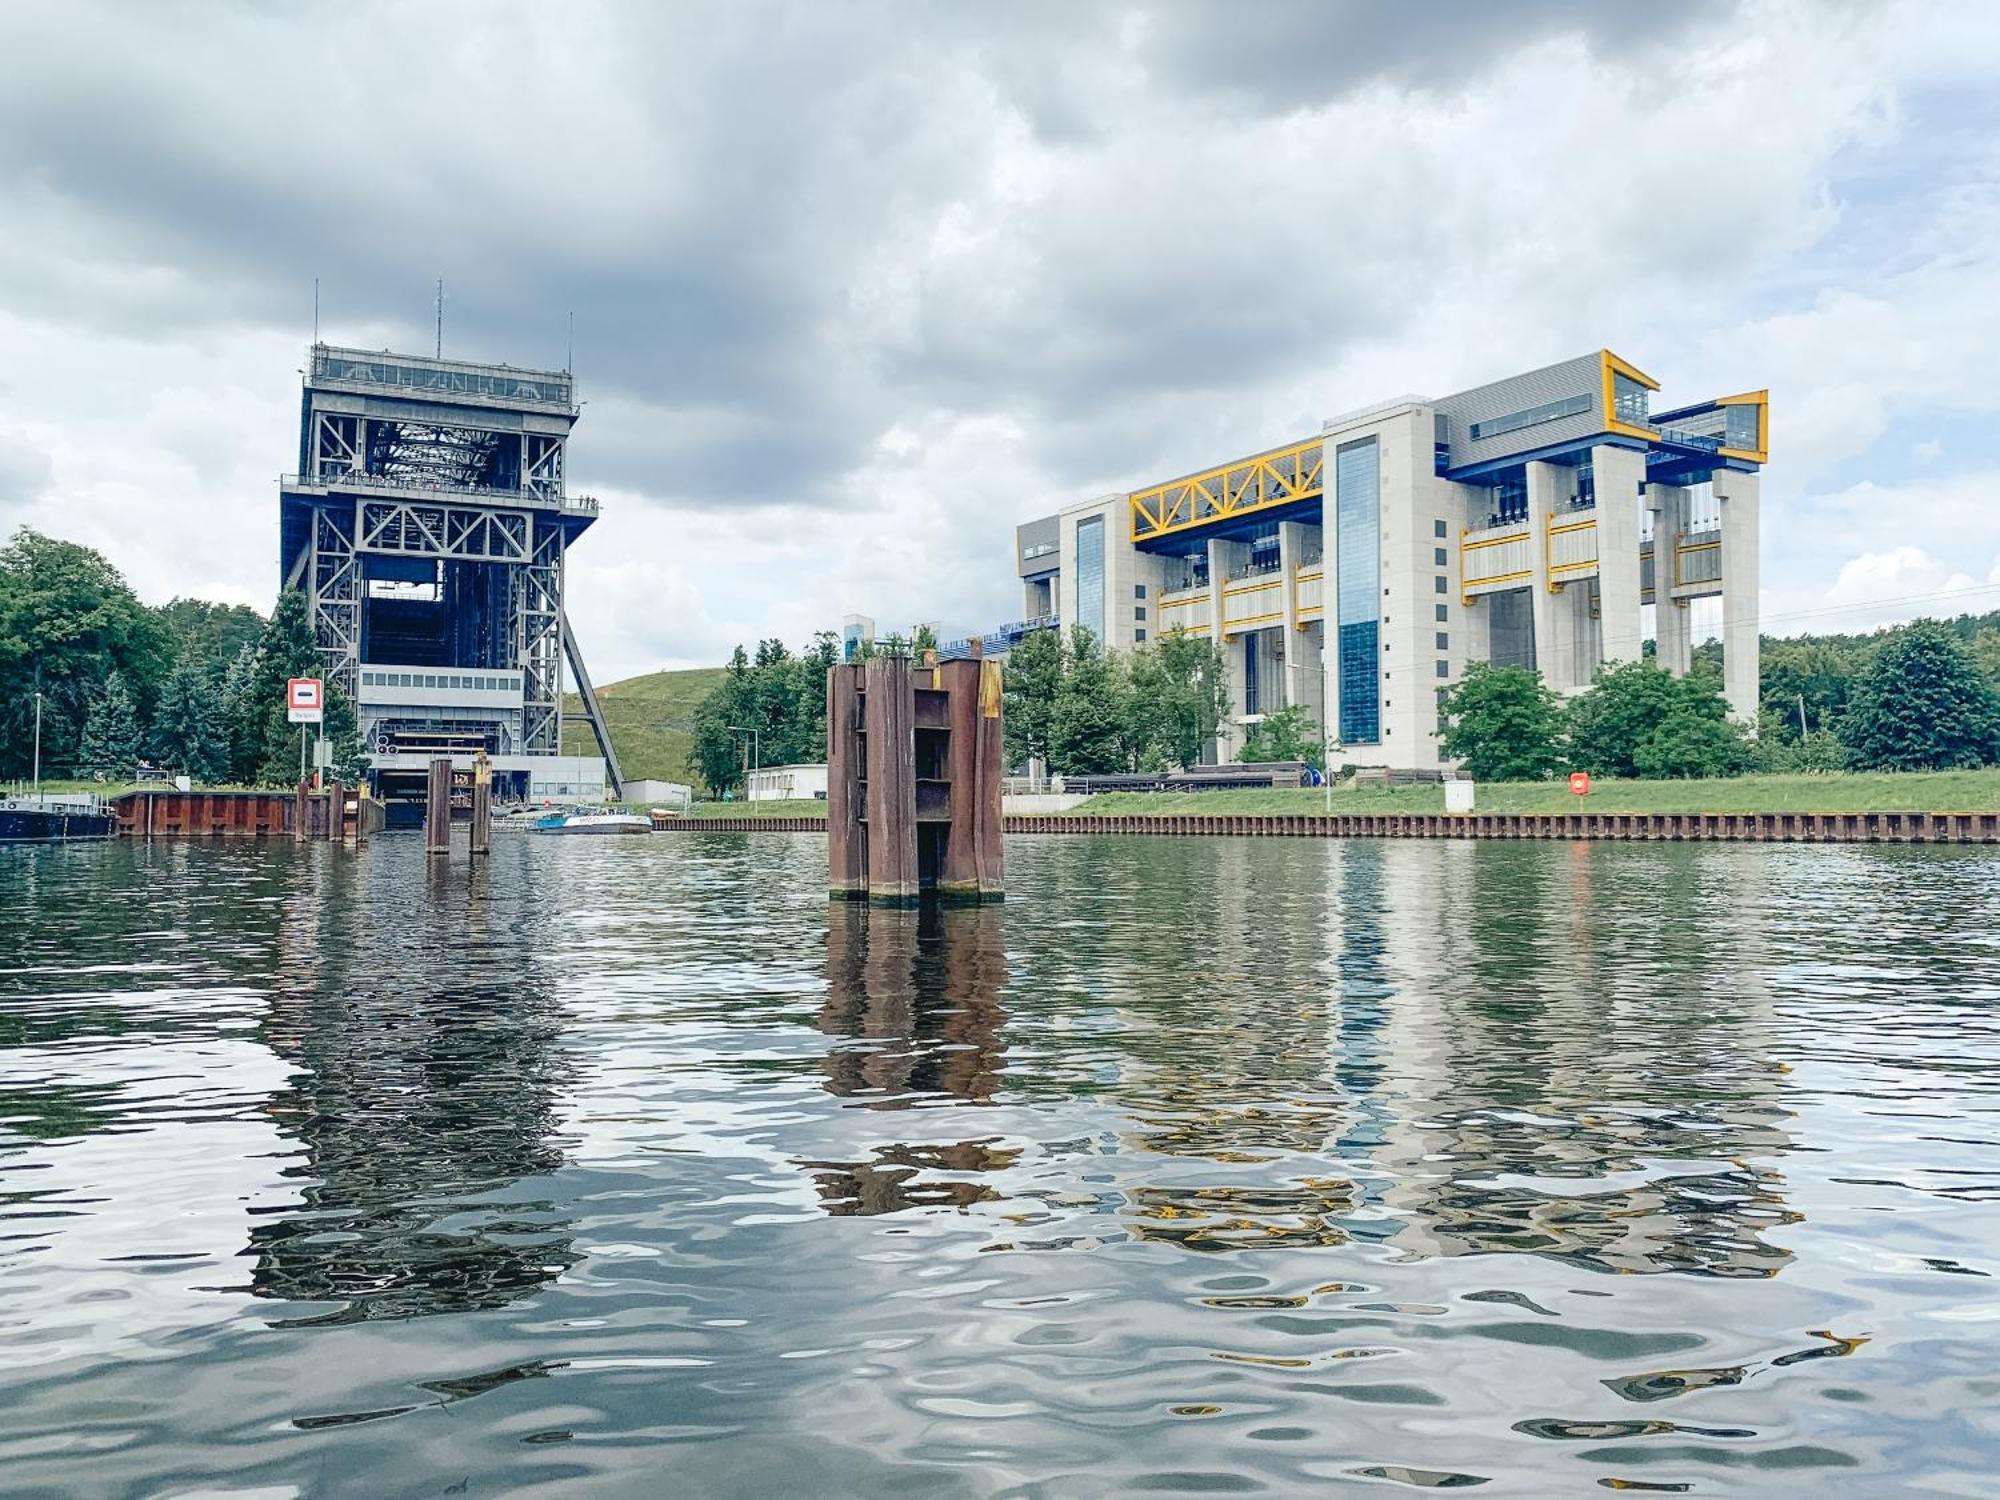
(1799, 828)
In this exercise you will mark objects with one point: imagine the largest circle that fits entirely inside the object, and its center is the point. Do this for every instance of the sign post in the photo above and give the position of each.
(305, 703)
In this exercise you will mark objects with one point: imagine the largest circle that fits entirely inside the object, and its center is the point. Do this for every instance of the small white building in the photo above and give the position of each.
(788, 784)
(557, 778)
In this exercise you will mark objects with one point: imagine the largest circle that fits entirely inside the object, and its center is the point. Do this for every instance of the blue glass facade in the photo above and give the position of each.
(1090, 576)
(1358, 530)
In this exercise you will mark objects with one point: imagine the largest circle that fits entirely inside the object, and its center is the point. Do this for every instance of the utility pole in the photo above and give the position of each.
(1802, 718)
(38, 745)
(755, 748)
(1325, 726)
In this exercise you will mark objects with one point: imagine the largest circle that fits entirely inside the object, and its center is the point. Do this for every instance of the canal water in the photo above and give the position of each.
(629, 1167)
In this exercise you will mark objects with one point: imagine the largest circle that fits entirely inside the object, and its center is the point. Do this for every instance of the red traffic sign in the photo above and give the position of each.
(1579, 782)
(305, 699)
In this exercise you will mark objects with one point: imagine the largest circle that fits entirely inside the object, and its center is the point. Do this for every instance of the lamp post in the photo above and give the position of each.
(756, 753)
(1325, 723)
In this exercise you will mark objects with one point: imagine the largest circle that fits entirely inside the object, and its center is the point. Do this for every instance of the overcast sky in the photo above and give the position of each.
(857, 287)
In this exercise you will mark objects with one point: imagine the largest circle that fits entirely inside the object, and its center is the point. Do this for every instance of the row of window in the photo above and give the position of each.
(1552, 411)
(486, 682)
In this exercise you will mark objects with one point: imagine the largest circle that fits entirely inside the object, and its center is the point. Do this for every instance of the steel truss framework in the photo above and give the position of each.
(437, 454)
(345, 532)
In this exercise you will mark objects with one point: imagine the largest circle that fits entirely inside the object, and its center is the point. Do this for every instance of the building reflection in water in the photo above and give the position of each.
(1582, 1060)
(426, 1052)
(1446, 1049)
(913, 995)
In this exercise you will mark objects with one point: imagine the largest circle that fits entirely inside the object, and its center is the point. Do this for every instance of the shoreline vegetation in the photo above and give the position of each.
(1828, 792)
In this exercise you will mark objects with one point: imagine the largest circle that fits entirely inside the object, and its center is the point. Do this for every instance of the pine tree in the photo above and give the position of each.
(187, 723)
(241, 730)
(111, 735)
(343, 736)
(286, 651)
(1923, 705)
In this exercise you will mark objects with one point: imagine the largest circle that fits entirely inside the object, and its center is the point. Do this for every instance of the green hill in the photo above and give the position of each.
(650, 717)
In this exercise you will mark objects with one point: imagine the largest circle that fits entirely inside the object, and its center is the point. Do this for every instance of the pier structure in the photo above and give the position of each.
(428, 524)
(1553, 520)
(914, 763)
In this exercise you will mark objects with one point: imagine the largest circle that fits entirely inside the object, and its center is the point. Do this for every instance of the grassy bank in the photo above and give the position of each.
(806, 807)
(1880, 791)
(650, 719)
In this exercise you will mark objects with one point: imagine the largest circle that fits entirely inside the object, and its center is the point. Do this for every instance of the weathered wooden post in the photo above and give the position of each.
(336, 804)
(914, 761)
(890, 799)
(846, 750)
(973, 862)
(482, 803)
(437, 807)
(302, 810)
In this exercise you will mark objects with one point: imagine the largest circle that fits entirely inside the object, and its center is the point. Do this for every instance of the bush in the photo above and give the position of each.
(1640, 720)
(1503, 724)
(1923, 705)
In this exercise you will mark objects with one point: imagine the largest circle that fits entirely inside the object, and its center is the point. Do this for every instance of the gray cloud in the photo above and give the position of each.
(892, 275)
(714, 192)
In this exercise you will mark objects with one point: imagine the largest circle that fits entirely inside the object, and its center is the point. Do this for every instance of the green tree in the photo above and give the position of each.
(780, 696)
(1503, 724)
(1179, 695)
(1033, 682)
(1285, 735)
(1923, 705)
(239, 730)
(1088, 722)
(1689, 744)
(1820, 750)
(209, 635)
(1819, 673)
(1630, 723)
(285, 651)
(343, 736)
(187, 732)
(67, 620)
(111, 732)
(717, 751)
(923, 639)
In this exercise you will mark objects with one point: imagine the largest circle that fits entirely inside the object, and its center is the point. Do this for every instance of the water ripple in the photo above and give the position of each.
(1201, 1166)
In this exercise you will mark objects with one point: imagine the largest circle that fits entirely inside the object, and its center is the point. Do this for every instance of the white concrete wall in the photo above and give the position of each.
(1736, 496)
(1414, 502)
(1619, 475)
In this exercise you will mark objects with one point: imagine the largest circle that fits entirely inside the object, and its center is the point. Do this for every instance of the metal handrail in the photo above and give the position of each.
(348, 479)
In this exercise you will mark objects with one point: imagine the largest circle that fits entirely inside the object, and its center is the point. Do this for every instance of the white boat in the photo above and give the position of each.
(593, 823)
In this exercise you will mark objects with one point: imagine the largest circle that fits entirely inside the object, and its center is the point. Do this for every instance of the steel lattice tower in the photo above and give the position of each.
(428, 526)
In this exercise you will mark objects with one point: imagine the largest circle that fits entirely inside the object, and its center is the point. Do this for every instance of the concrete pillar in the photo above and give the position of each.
(1548, 492)
(1222, 556)
(1736, 498)
(1620, 477)
(1296, 646)
(1673, 636)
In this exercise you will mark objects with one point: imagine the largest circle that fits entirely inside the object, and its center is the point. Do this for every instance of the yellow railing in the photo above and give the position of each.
(1248, 485)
